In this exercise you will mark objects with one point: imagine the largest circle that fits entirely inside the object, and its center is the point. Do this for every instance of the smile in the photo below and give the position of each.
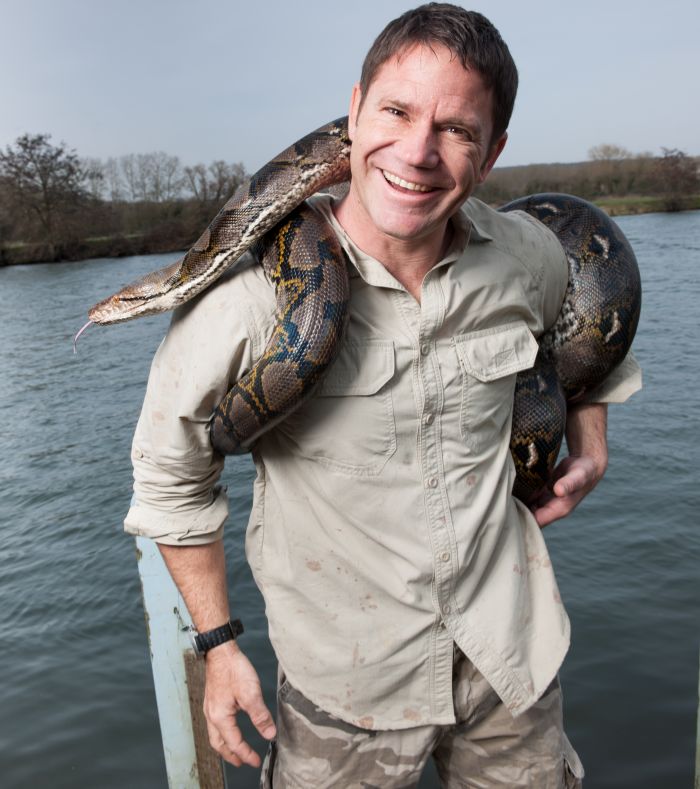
(394, 179)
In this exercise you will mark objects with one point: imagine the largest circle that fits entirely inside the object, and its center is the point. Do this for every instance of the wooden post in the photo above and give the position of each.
(178, 676)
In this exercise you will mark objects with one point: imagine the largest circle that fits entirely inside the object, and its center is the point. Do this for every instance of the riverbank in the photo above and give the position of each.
(174, 240)
(631, 206)
(116, 246)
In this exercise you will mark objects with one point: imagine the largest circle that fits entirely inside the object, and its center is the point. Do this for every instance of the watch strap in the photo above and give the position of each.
(203, 642)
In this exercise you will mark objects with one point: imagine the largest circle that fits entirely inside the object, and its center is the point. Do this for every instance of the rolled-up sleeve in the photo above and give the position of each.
(211, 342)
(621, 383)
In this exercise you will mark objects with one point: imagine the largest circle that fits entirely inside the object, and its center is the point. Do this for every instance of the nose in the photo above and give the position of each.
(419, 145)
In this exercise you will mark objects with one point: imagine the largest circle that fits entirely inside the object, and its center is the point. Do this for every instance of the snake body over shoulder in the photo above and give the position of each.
(303, 259)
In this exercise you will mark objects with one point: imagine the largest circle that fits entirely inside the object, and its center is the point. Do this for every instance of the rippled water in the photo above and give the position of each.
(78, 708)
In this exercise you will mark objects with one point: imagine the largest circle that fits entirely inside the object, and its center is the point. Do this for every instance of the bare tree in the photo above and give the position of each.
(161, 175)
(608, 168)
(216, 183)
(93, 177)
(113, 180)
(44, 180)
(130, 172)
(156, 176)
(677, 175)
(606, 152)
(197, 183)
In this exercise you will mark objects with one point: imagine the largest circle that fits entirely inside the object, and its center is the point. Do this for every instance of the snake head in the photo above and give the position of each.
(148, 295)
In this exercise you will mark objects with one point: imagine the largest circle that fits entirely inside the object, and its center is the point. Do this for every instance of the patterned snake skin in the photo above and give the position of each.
(303, 259)
(591, 336)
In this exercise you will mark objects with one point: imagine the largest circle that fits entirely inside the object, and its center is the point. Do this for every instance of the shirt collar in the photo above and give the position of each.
(465, 231)
(478, 233)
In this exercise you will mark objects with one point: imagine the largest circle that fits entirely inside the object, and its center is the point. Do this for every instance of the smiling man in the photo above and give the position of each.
(423, 138)
(410, 598)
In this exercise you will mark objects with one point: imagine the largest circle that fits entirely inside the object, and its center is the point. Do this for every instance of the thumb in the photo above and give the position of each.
(575, 479)
(261, 718)
(563, 486)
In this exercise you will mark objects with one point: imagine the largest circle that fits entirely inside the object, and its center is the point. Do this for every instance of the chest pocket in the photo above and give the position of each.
(349, 424)
(489, 361)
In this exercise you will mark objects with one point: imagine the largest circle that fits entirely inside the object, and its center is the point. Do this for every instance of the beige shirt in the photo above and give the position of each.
(383, 529)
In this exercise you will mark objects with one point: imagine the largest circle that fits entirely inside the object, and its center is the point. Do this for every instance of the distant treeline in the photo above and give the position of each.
(615, 179)
(56, 206)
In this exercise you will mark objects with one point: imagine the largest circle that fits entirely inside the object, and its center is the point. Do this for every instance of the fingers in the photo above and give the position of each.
(553, 508)
(250, 699)
(232, 686)
(226, 739)
(572, 479)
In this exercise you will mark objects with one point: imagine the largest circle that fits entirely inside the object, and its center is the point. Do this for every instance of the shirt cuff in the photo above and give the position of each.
(191, 526)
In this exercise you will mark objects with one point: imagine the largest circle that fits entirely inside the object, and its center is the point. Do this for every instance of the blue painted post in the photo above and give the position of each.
(178, 676)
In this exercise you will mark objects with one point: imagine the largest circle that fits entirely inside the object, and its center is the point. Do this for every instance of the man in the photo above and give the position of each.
(411, 602)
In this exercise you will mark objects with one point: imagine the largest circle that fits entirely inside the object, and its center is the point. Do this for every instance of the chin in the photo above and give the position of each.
(404, 228)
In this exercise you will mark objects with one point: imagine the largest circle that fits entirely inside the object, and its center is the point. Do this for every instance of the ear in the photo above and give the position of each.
(494, 153)
(355, 104)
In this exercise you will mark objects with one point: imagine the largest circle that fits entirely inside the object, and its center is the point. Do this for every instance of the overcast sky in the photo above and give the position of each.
(215, 79)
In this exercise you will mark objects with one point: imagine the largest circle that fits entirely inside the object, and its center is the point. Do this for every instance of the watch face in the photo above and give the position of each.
(193, 634)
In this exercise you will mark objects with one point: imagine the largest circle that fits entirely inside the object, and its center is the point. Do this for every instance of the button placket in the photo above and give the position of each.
(438, 520)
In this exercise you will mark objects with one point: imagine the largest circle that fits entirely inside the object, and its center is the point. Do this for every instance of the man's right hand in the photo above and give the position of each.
(232, 684)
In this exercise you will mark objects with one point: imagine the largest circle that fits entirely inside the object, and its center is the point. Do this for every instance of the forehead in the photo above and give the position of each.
(433, 74)
(423, 64)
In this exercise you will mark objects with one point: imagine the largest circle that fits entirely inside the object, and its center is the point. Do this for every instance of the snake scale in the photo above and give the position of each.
(303, 259)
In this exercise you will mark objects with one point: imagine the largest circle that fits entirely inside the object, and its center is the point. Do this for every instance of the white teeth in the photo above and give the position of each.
(394, 179)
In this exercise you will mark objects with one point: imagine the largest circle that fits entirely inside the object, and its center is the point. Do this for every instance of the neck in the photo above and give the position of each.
(408, 260)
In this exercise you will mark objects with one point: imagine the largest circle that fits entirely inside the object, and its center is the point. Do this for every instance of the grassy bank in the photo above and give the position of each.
(173, 239)
(625, 206)
(115, 246)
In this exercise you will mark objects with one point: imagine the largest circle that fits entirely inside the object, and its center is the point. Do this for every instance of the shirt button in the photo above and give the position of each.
(428, 419)
(432, 482)
(445, 556)
(446, 609)
(425, 348)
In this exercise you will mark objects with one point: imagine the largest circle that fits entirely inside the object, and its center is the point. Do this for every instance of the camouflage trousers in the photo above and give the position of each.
(487, 747)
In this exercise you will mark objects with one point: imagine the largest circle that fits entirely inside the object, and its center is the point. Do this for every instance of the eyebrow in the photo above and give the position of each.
(472, 126)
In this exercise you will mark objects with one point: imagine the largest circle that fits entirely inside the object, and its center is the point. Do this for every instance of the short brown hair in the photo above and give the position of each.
(468, 35)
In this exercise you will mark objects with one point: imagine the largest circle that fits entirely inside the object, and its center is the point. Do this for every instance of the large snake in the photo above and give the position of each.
(302, 257)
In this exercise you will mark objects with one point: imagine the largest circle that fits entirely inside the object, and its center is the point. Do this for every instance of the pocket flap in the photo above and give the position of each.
(362, 368)
(493, 353)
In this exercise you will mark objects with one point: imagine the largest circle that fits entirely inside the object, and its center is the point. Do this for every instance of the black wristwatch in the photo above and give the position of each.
(203, 642)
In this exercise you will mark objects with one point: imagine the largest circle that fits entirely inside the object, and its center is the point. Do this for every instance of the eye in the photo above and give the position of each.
(458, 131)
(395, 111)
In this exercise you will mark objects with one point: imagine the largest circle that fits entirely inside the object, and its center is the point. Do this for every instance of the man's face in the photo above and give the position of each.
(421, 143)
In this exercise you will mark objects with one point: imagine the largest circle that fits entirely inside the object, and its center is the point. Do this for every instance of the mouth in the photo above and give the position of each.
(409, 186)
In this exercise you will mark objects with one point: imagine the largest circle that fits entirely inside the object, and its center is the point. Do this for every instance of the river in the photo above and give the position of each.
(78, 708)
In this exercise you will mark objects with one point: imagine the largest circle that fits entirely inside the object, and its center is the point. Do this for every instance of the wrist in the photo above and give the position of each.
(586, 428)
(204, 642)
(222, 653)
